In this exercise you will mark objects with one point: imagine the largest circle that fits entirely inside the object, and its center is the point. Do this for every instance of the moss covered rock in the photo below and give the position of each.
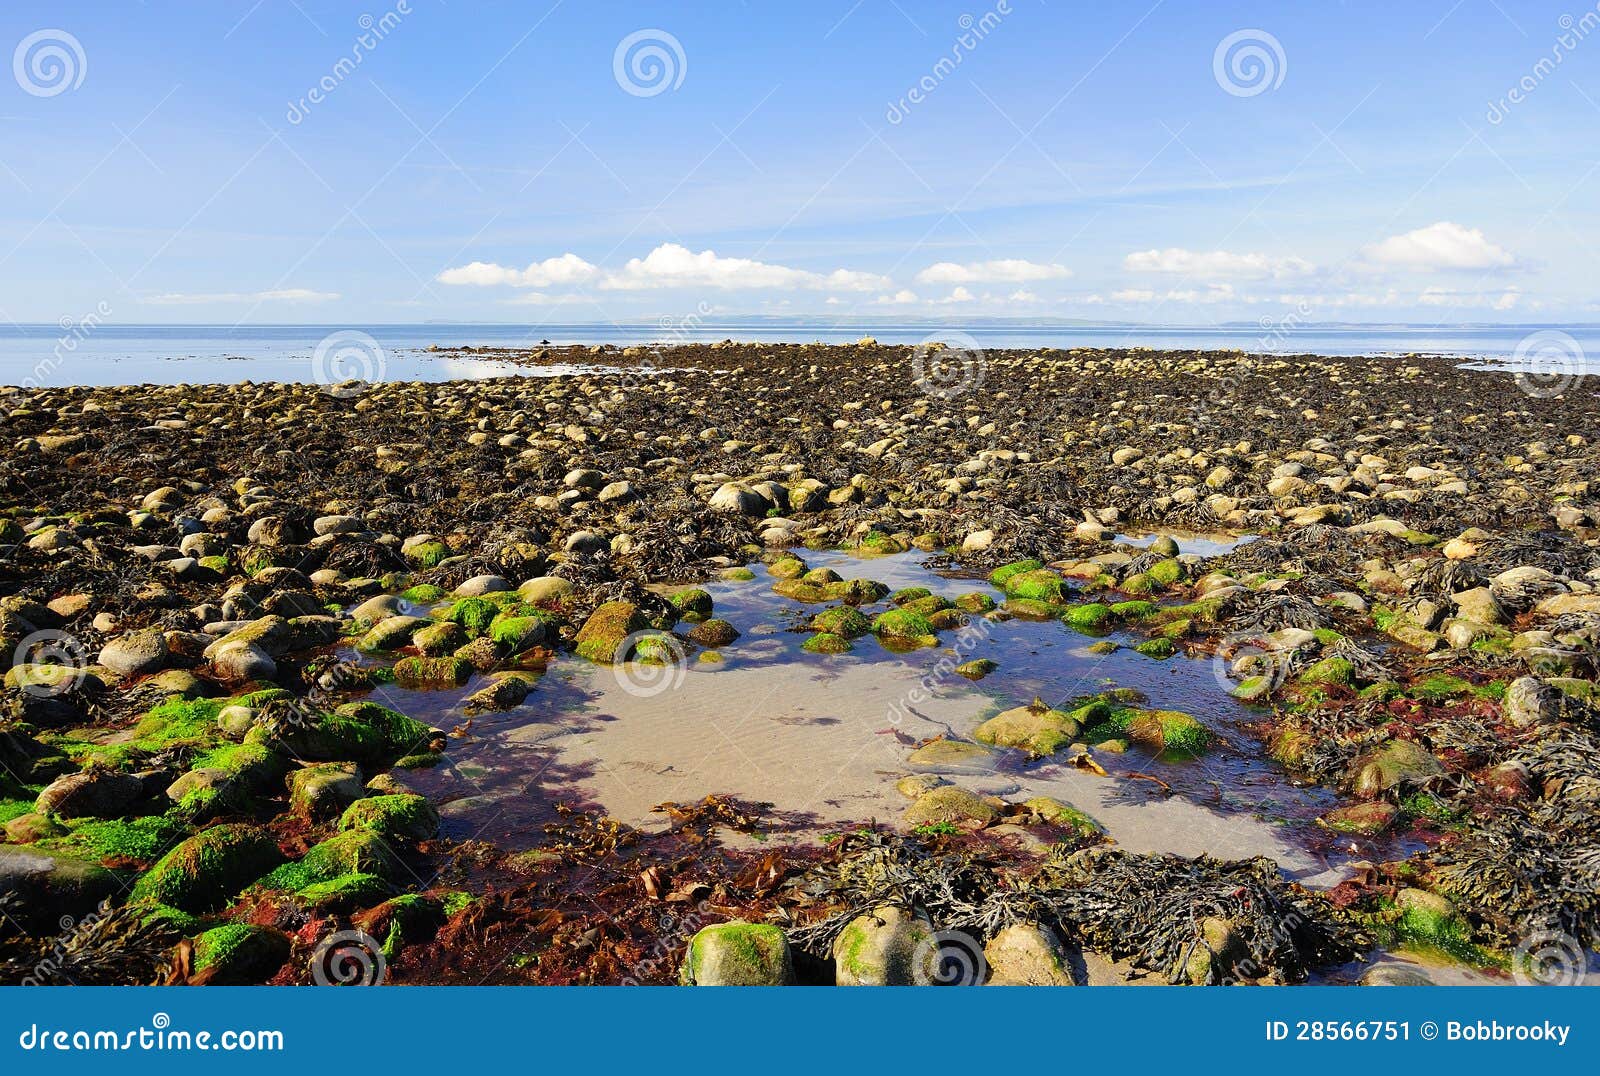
(1395, 764)
(950, 805)
(824, 642)
(1036, 729)
(1168, 730)
(323, 790)
(395, 818)
(431, 673)
(204, 872)
(738, 954)
(886, 947)
(842, 620)
(902, 624)
(604, 637)
(237, 954)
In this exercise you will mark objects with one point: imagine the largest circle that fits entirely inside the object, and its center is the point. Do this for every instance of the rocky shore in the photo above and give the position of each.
(207, 590)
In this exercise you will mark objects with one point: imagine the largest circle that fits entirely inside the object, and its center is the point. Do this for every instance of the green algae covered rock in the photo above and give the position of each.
(1168, 730)
(1090, 618)
(902, 624)
(395, 818)
(738, 954)
(950, 805)
(1036, 729)
(886, 947)
(204, 872)
(824, 642)
(1393, 764)
(1056, 813)
(842, 620)
(237, 954)
(604, 635)
(431, 673)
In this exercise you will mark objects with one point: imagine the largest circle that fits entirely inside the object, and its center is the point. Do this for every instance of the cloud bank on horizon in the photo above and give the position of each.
(1368, 162)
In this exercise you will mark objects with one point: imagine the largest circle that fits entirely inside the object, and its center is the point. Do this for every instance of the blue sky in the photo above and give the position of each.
(166, 162)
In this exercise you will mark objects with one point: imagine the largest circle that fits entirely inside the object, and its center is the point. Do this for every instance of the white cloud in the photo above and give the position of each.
(1497, 300)
(285, 295)
(673, 266)
(957, 295)
(1001, 271)
(1445, 245)
(567, 269)
(904, 295)
(1350, 298)
(1132, 295)
(1214, 263)
(1022, 295)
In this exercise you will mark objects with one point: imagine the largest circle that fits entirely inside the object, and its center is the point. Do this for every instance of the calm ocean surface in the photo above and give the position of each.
(171, 354)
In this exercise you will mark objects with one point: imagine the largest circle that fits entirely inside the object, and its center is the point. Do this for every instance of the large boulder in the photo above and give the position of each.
(604, 636)
(1530, 701)
(886, 947)
(738, 954)
(1027, 954)
(136, 653)
(204, 872)
(1035, 728)
(42, 887)
(90, 795)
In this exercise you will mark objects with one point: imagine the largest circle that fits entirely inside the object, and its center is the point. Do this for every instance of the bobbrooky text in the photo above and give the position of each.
(1495, 1031)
